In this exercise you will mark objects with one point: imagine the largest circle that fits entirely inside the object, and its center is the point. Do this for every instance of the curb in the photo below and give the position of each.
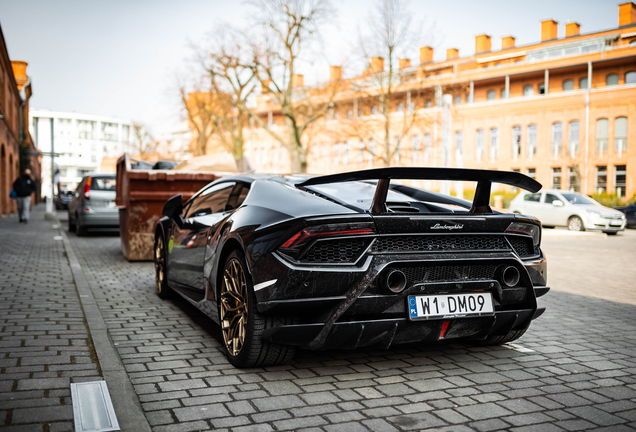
(128, 409)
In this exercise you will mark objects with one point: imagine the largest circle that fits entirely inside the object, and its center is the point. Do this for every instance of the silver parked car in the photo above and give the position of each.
(93, 205)
(571, 209)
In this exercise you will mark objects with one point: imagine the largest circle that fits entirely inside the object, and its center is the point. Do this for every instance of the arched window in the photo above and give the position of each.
(557, 138)
(583, 84)
(611, 80)
(528, 90)
(568, 85)
(457, 100)
(573, 138)
(532, 140)
(479, 144)
(620, 134)
(516, 141)
(494, 143)
(491, 95)
(601, 135)
(630, 77)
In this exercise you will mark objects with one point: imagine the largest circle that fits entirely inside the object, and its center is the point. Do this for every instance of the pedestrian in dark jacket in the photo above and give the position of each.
(24, 186)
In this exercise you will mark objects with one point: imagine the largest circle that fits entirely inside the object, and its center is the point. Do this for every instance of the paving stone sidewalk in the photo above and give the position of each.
(44, 341)
(575, 369)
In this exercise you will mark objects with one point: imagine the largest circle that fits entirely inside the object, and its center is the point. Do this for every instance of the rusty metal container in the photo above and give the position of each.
(141, 195)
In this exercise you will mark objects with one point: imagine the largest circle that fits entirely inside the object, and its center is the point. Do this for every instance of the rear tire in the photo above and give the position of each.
(501, 339)
(161, 269)
(71, 224)
(241, 324)
(80, 229)
(575, 224)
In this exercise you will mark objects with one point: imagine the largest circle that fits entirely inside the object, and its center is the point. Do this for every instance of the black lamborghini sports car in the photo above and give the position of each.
(350, 260)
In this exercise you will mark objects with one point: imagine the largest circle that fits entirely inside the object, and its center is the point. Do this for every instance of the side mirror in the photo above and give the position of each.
(557, 203)
(173, 207)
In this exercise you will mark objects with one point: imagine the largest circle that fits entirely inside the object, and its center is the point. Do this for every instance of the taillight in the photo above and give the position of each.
(87, 188)
(526, 229)
(302, 237)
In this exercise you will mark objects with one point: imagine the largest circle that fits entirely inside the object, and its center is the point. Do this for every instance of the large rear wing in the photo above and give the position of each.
(484, 179)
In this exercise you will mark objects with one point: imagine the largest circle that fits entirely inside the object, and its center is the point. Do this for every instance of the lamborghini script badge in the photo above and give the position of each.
(447, 227)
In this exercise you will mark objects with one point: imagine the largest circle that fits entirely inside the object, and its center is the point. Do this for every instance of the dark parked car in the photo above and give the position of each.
(93, 205)
(63, 199)
(349, 260)
(630, 214)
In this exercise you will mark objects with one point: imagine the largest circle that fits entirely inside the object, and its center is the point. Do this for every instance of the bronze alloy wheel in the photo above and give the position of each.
(233, 307)
(160, 267)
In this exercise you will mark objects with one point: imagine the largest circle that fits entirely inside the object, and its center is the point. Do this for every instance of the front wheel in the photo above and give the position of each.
(241, 324)
(161, 273)
(575, 224)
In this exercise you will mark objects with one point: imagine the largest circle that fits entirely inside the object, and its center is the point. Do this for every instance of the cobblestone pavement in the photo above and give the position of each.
(575, 369)
(44, 341)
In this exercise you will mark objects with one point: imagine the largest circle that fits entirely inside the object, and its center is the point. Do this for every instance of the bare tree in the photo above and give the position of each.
(288, 28)
(392, 91)
(197, 102)
(143, 144)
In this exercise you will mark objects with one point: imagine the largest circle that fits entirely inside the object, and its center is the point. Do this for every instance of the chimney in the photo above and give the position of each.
(297, 80)
(426, 54)
(626, 14)
(377, 64)
(572, 29)
(19, 72)
(265, 87)
(404, 63)
(452, 53)
(335, 73)
(508, 42)
(549, 30)
(482, 43)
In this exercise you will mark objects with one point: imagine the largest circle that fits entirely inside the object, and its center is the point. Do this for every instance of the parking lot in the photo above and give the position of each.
(575, 369)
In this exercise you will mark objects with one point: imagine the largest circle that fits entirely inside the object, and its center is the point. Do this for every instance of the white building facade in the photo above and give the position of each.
(80, 143)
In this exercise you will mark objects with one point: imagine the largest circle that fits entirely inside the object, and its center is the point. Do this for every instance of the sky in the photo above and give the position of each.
(119, 57)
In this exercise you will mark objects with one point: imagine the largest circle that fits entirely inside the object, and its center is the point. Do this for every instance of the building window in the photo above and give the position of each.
(574, 179)
(568, 85)
(542, 88)
(557, 138)
(583, 84)
(85, 129)
(428, 103)
(374, 110)
(416, 148)
(620, 134)
(494, 143)
(349, 114)
(532, 140)
(601, 135)
(360, 113)
(503, 94)
(459, 142)
(400, 107)
(125, 132)
(491, 95)
(532, 173)
(601, 179)
(109, 131)
(573, 138)
(479, 145)
(556, 178)
(457, 100)
(630, 77)
(516, 141)
(611, 80)
(427, 148)
(528, 90)
(620, 180)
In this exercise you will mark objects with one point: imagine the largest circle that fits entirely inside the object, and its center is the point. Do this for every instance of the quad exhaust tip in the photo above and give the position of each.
(395, 280)
(510, 276)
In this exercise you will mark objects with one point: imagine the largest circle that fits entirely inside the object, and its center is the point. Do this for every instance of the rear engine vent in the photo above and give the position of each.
(452, 273)
(335, 251)
(522, 246)
(439, 243)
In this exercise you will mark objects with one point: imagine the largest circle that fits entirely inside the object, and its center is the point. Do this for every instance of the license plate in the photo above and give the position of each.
(450, 305)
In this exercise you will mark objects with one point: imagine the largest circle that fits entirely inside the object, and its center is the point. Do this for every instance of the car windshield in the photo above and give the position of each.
(578, 199)
(358, 194)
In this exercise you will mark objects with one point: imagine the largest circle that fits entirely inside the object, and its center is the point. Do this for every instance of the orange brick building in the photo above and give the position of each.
(562, 110)
(15, 91)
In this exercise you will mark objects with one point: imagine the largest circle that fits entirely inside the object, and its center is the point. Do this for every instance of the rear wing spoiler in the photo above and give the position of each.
(484, 179)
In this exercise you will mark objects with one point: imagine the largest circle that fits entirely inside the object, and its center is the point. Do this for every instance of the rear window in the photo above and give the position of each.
(103, 184)
(357, 194)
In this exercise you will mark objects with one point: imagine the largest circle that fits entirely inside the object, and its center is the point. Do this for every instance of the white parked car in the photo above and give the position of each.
(571, 209)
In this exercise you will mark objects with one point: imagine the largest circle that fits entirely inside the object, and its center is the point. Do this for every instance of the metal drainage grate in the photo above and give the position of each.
(92, 408)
